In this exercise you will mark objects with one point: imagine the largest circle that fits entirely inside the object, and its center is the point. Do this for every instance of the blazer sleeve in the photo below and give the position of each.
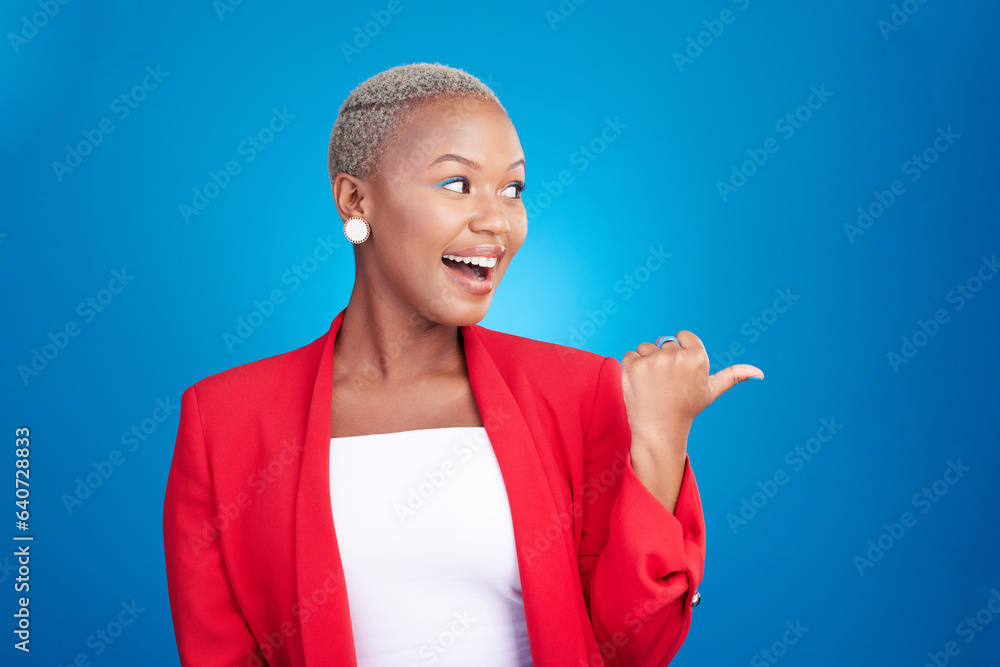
(209, 627)
(639, 564)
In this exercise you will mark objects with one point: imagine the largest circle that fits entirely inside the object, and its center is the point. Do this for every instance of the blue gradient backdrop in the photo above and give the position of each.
(687, 117)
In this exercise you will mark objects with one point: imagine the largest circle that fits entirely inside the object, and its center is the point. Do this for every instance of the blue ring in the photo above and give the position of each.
(663, 339)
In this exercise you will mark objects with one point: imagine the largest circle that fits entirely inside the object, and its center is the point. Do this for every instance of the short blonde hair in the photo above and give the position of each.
(373, 112)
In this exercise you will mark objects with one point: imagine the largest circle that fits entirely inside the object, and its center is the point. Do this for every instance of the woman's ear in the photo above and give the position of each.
(350, 194)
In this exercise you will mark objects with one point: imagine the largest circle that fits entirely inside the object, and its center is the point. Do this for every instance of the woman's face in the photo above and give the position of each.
(449, 187)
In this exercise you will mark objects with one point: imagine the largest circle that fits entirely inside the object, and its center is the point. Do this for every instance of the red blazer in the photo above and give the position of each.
(253, 568)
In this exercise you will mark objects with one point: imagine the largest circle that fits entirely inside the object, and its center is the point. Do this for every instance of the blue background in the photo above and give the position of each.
(561, 77)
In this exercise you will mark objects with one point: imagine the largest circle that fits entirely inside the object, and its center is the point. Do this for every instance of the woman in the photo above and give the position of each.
(412, 488)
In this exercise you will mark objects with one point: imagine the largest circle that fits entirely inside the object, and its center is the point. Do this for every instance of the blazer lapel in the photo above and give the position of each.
(547, 567)
(547, 577)
(323, 611)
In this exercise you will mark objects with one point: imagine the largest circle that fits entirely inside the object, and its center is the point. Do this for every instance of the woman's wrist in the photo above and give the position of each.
(659, 464)
(665, 442)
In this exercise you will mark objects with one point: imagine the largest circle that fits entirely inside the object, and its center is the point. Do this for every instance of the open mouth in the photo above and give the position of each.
(473, 268)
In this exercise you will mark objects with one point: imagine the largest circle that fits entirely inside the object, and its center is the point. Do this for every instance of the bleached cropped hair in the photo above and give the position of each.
(377, 108)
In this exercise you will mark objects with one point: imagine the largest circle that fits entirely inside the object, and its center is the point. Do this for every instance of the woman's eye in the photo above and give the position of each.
(514, 190)
(458, 185)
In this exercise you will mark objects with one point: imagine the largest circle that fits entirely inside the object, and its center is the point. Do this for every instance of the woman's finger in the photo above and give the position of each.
(730, 377)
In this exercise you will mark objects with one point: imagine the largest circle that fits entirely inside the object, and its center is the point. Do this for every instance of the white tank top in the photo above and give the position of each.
(426, 539)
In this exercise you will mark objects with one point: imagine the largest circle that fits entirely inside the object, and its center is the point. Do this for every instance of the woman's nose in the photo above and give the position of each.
(491, 218)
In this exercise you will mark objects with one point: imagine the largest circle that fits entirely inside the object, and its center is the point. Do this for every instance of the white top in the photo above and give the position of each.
(427, 543)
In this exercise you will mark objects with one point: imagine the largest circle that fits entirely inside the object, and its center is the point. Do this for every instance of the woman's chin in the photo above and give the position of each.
(458, 314)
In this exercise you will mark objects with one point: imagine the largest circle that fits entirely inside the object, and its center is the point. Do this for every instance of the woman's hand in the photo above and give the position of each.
(664, 390)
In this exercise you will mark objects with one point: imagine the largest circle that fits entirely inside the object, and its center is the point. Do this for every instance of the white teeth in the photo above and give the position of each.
(478, 261)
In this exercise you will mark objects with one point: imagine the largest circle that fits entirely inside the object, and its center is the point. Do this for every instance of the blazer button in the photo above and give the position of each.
(695, 599)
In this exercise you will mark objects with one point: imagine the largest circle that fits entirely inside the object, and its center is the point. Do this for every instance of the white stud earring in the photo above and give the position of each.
(357, 230)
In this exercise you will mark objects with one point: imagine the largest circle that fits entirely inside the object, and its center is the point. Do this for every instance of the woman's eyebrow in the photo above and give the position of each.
(469, 163)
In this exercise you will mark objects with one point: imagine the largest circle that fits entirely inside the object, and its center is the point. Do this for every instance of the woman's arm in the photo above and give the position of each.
(639, 563)
(208, 624)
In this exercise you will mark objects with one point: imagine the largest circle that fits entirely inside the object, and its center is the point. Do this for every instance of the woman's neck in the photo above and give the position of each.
(382, 342)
